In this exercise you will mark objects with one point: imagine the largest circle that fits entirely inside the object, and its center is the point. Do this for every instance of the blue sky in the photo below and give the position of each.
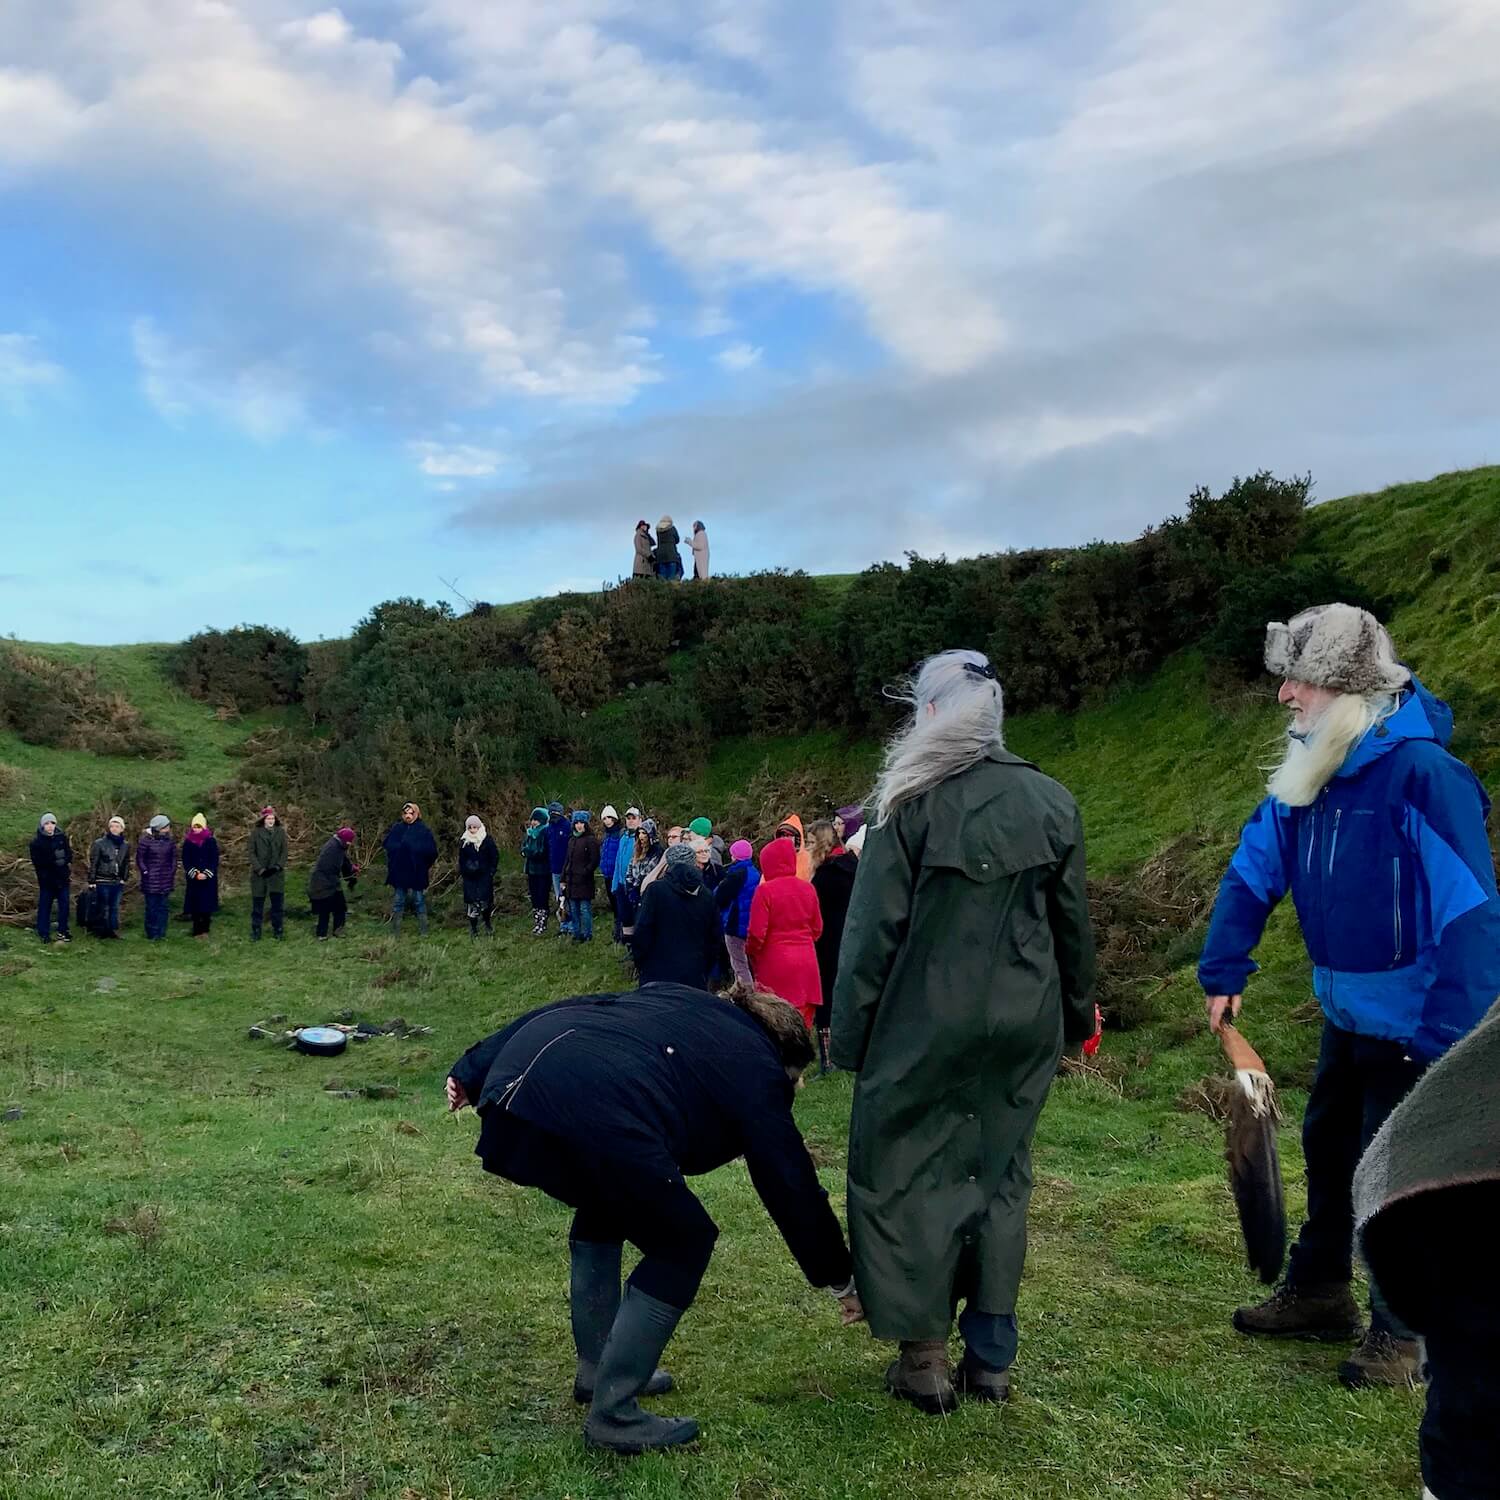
(305, 307)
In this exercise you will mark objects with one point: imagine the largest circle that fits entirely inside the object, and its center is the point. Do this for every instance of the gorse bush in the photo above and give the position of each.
(249, 667)
(48, 702)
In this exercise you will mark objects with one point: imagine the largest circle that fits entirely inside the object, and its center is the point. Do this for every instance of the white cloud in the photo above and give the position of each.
(262, 399)
(24, 369)
(455, 460)
(737, 357)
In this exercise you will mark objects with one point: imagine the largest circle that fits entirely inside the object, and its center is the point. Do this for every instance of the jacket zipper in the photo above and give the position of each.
(1312, 839)
(1396, 903)
(512, 1088)
(1333, 847)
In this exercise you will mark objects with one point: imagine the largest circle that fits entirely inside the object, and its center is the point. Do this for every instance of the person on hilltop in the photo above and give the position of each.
(410, 850)
(668, 558)
(269, 854)
(645, 860)
(1379, 834)
(642, 566)
(967, 964)
(579, 867)
(700, 552)
(790, 827)
(781, 941)
(732, 897)
(678, 939)
(109, 869)
(833, 884)
(609, 856)
(200, 873)
(156, 864)
(333, 865)
(478, 859)
(608, 1103)
(52, 859)
(559, 832)
(536, 861)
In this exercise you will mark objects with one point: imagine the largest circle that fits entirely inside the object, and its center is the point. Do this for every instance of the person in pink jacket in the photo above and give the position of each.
(785, 924)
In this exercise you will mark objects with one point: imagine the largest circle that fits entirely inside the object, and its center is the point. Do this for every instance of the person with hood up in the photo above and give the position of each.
(536, 860)
(678, 939)
(156, 864)
(781, 941)
(791, 828)
(668, 558)
(478, 859)
(967, 964)
(200, 872)
(1379, 835)
(732, 897)
(410, 850)
(52, 859)
(579, 867)
(109, 869)
(609, 856)
(833, 884)
(644, 862)
(1426, 1198)
(609, 1103)
(269, 855)
(333, 864)
(642, 567)
(700, 552)
(559, 833)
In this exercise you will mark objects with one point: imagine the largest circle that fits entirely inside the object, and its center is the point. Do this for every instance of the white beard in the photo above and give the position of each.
(1311, 762)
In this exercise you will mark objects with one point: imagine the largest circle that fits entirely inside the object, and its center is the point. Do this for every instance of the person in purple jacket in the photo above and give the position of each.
(156, 864)
(1379, 835)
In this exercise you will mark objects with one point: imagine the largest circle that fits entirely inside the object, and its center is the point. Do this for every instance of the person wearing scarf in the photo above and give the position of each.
(478, 859)
(648, 855)
(200, 868)
(536, 861)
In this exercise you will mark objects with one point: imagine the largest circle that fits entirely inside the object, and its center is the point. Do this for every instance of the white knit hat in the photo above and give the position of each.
(609, 812)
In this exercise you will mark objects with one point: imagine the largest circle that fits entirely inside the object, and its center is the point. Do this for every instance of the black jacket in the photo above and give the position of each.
(666, 545)
(109, 862)
(666, 1080)
(678, 936)
(833, 880)
(51, 859)
(579, 864)
(332, 863)
(410, 850)
(477, 866)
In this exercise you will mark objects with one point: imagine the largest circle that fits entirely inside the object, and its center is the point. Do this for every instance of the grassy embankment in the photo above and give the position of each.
(218, 1278)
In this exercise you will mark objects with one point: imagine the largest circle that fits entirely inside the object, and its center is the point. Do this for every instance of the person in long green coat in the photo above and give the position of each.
(967, 965)
(268, 861)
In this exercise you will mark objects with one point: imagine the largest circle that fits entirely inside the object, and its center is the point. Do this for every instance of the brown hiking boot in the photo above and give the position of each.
(1382, 1359)
(1325, 1311)
(921, 1376)
(980, 1383)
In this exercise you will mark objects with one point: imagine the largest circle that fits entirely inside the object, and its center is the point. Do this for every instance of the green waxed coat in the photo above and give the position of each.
(268, 851)
(967, 962)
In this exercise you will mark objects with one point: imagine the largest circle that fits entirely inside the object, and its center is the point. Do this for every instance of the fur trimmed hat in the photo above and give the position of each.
(1335, 646)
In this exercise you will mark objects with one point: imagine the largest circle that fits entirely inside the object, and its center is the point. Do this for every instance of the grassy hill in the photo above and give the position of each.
(225, 1277)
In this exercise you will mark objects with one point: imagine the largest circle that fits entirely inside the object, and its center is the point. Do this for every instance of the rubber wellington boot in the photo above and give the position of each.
(1323, 1311)
(1382, 1359)
(979, 1382)
(593, 1302)
(921, 1376)
(538, 921)
(615, 1420)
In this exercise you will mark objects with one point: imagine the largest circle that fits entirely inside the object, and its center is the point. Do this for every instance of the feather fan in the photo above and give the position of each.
(1250, 1150)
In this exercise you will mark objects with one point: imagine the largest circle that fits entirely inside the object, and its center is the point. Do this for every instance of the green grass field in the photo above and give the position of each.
(216, 1277)
(220, 1279)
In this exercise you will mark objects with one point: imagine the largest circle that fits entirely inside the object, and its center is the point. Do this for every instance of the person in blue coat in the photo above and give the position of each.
(559, 832)
(1379, 835)
(410, 850)
(610, 844)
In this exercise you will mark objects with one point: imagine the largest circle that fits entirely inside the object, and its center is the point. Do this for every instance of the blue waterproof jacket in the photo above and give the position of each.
(609, 850)
(559, 831)
(733, 895)
(1391, 874)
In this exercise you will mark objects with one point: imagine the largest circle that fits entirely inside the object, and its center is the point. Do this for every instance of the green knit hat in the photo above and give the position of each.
(701, 826)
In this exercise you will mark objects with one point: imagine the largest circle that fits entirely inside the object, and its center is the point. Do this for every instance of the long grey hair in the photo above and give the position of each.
(957, 713)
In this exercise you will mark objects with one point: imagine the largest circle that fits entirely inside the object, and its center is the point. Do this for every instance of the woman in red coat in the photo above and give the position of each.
(785, 924)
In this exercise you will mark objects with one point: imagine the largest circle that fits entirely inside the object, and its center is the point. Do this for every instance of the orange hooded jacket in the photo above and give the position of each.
(791, 826)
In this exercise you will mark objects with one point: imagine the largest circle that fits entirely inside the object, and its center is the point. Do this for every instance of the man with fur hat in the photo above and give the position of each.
(1379, 835)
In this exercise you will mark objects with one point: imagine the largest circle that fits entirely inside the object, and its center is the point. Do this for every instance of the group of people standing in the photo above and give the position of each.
(964, 967)
(661, 556)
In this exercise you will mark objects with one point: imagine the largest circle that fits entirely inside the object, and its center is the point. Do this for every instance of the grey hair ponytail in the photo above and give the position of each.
(967, 713)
